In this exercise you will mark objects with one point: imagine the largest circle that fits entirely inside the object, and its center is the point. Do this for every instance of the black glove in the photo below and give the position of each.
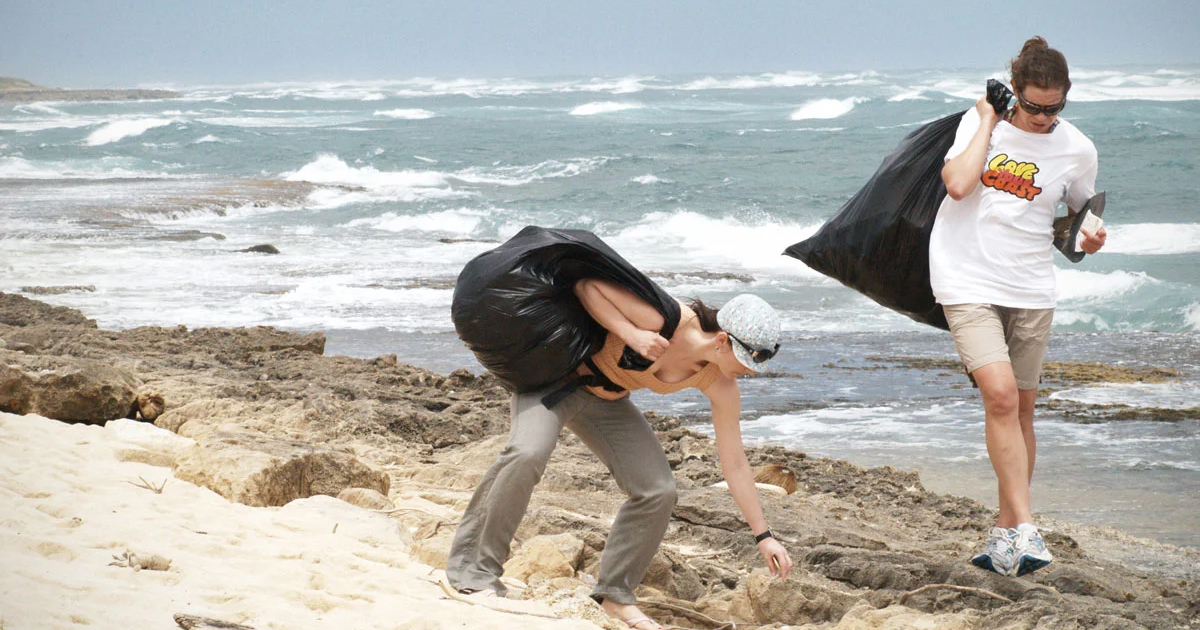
(998, 95)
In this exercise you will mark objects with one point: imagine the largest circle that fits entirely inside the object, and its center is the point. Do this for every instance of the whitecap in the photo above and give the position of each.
(825, 108)
(1073, 284)
(624, 85)
(40, 108)
(406, 114)
(1192, 316)
(645, 179)
(376, 186)
(1153, 239)
(1182, 395)
(118, 130)
(909, 95)
(14, 167)
(1067, 317)
(521, 175)
(462, 221)
(604, 107)
(750, 82)
(662, 240)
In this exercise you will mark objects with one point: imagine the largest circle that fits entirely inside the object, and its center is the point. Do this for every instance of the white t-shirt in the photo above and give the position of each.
(995, 246)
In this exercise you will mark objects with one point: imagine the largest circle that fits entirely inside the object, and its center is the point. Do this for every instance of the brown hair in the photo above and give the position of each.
(776, 475)
(1041, 66)
(707, 316)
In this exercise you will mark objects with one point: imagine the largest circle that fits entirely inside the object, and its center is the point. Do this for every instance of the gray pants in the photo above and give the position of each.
(620, 436)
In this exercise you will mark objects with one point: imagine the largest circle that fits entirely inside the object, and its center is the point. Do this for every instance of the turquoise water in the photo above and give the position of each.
(377, 193)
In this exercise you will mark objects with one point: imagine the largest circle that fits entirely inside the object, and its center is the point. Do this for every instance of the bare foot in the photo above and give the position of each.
(630, 615)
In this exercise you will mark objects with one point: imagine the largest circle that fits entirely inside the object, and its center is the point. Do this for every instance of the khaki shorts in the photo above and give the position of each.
(986, 333)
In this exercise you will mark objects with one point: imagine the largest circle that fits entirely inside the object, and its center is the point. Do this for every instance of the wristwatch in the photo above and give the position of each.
(763, 536)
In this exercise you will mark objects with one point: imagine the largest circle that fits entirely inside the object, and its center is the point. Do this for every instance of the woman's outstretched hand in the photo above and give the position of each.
(776, 556)
(647, 343)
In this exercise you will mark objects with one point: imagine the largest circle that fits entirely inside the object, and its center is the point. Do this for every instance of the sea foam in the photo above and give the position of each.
(683, 240)
(1153, 238)
(603, 107)
(824, 108)
(14, 167)
(1073, 284)
(378, 186)
(462, 221)
(406, 114)
(118, 130)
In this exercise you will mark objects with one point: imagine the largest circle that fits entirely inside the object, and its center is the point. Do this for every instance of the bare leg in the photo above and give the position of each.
(1006, 442)
(1028, 398)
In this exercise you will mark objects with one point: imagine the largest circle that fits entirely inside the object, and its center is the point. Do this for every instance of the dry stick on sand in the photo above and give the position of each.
(954, 587)
(406, 509)
(456, 596)
(149, 486)
(193, 622)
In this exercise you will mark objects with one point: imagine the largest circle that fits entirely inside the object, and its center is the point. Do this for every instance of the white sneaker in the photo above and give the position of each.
(1000, 552)
(1031, 553)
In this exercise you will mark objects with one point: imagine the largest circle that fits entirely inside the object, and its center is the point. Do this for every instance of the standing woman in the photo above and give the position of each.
(708, 350)
(992, 269)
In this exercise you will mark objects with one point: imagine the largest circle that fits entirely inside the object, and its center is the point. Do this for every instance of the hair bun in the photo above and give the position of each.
(1040, 65)
(1034, 43)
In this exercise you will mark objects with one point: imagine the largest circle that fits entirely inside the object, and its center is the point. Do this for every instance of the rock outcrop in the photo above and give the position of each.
(271, 420)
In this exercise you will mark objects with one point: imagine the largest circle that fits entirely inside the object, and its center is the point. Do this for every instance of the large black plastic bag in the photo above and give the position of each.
(878, 243)
(515, 306)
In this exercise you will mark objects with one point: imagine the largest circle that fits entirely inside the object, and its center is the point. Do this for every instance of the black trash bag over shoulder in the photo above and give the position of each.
(878, 243)
(515, 306)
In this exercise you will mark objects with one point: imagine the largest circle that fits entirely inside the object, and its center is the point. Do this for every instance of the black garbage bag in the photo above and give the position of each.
(515, 306)
(878, 243)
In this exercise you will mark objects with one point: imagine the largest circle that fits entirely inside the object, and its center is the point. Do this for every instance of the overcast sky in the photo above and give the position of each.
(99, 43)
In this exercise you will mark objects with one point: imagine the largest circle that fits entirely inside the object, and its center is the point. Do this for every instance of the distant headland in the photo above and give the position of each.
(14, 90)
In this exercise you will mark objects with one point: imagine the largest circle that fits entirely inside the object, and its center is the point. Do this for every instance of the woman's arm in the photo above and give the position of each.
(961, 173)
(726, 403)
(624, 314)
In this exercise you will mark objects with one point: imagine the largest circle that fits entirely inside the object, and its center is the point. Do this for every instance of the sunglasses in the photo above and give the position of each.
(758, 355)
(1034, 109)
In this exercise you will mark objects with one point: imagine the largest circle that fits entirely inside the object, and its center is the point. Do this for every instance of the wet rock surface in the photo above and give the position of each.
(873, 548)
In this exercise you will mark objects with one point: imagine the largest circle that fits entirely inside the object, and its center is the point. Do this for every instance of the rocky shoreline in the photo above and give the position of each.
(21, 91)
(271, 419)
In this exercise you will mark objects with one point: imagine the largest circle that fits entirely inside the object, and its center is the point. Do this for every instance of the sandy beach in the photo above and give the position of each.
(87, 544)
(224, 507)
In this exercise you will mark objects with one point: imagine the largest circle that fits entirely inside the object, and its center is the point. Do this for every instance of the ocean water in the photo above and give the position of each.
(376, 194)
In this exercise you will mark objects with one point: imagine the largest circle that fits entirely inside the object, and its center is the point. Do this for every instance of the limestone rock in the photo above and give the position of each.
(433, 551)
(20, 311)
(671, 574)
(801, 599)
(540, 559)
(65, 388)
(265, 248)
(262, 471)
(148, 444)
(366, 498)
(203, 417)
(862, 616)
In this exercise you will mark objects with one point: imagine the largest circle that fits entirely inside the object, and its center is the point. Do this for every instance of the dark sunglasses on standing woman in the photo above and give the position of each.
(1033, 109)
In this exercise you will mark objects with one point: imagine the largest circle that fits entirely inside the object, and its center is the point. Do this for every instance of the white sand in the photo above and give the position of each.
(68, 504)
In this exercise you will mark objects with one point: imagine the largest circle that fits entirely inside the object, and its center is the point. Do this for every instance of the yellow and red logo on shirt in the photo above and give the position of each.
(1011, 176)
